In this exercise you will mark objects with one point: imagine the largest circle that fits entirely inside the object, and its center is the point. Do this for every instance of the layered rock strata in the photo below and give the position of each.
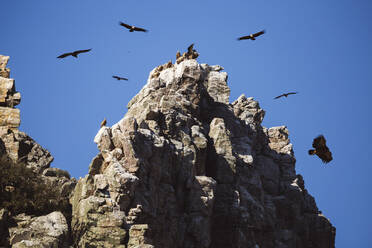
(187, 168)
(17, 148)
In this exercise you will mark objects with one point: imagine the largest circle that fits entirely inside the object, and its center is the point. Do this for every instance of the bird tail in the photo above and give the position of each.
(311, 152)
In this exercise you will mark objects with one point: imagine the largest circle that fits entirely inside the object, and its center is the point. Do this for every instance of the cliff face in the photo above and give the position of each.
(28, 184)
(184, 168)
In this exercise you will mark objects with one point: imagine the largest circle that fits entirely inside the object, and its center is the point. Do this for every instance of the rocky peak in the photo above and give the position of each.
(187, 168)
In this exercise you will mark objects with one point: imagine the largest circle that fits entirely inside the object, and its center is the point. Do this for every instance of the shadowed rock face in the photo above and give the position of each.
(186, 168)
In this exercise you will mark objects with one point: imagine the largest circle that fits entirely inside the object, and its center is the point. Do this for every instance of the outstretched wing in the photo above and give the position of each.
(125, 25)
(247, 37)
(259, 33)
(64, 55)
(82, 51)
(292, 93)
(140, 29)
(278, 96)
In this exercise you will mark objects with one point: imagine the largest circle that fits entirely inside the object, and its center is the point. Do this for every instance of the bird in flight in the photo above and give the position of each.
(74, 54)
(103, 123)
(286, 94)
(321, 150)
(120, 78)
(132, 28)
(252, 36)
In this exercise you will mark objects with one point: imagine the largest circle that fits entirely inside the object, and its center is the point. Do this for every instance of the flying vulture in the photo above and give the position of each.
(132, 28)
(252, 36)
(103, 123)
(120, 78)
(321, 150)
(286, 94)
(74, 54)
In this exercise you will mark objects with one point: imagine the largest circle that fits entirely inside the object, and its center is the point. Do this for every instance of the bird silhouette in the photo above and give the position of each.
(321, 149)
(74, 54)
(252, 36)
(286, 94)
(120, 78)
(132, 28)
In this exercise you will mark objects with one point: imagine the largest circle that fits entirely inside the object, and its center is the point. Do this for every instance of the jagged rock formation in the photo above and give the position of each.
(18, 149)
(187, 168)
(184, 168)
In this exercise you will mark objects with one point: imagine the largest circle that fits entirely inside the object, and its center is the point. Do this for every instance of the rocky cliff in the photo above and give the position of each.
(34, 208)
(183, 168)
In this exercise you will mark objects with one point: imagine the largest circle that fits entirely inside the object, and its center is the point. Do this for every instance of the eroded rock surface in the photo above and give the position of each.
(187, 168)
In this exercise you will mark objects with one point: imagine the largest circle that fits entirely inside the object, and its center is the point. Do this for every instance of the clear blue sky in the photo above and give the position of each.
(322, 49)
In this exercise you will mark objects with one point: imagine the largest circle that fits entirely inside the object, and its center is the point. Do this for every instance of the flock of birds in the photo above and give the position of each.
(319, 143)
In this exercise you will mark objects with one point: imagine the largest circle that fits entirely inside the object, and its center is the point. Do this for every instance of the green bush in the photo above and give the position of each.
(24, 191)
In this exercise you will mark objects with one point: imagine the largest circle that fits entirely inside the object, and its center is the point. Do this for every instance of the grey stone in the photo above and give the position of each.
(183, 168)
(45, 231)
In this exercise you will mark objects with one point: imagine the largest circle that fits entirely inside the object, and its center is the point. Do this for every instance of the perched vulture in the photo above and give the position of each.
(103, 123)
(286, 94)
(190, 48)
(74, 54)
(321, 150)
(169, 64)
(120, 78)
(252, 36)
(132, 28)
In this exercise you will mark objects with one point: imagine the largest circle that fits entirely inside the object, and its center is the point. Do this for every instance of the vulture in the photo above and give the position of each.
(178, 54)
(321, 150)
(132, 28)
(120, 78)
(74, 54)
(285, 94)
(252, 36)
(190, 48)
(103, 123)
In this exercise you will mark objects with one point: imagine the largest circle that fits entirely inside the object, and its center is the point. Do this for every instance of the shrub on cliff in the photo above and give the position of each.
(24, 191)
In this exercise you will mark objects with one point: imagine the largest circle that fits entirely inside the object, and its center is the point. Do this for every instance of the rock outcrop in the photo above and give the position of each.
(184, 168)
(187, 168)
(45, 231)
(18, 150)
